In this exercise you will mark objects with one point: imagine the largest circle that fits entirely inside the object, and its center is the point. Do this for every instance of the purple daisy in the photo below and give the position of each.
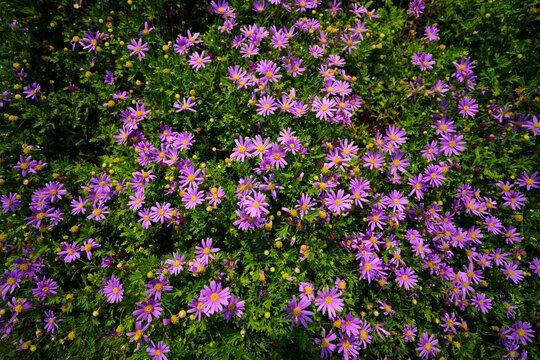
(138, 48)
(406, 278)
(51, 322)
(147, 310)
(426, 345)
(329, 301)
(297, 312)
(113, 290)
(158, 351)
(214, 297)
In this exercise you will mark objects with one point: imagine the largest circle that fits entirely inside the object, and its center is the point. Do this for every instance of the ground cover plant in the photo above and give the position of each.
(269, 179)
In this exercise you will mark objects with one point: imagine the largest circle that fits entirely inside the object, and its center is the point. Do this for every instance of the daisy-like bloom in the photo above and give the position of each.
(54, 190)
(215, 195)
(409, 333)
(535, 266)
(197, 60)
(449, 323)
(349, 42)
(214, 298)
(266, 106)
(10, 202)
(426, 345)
(424, 61)
(255, 205)
(26, 166)
(234, 306)
(4, 96)
(51, 322)
(90, 41)
(338, 202)
(160, 213)
(276, 156)
(529, 181)
(452, 144)
(386, 308)
(138, 48)
(364, 338)
(44, 288)
(482, 303)
(434, 177)
(512, 272)
(493, 225)
(157, 286)
(351, 325)
(112, 289)
(431, 33)
(176, 264)
(11, 280)
(88, 246)
(370, 266)
(324, 108)
(397, 200)
(99, 211)
(327, 347)
(298, 313)
(349, 347)
(307, 291)
(197, 307)
(416, 7)
(522, 332)
(69, 253)
(329, 301)
(139, 334)
(205, 252)
(406, 278)
(158, 351)
(396, 135)
(147, 310)
(145, 218)
(241, 151)
(373, 160)
(186, 104)
(268, 71)
(515, 200)
(467, 107)
(192, 198)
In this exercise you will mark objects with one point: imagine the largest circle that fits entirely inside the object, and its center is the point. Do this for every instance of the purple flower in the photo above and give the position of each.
(416, 7)
(214, 298)
(452, 144)
(69, 253)
(467, 107)
(266, 106)
(186, 104)
(137, 47)
(234, 306)
(329, 301)
(11, 202)
(197, 60)
(11, 280)
(481, 302)
(113, 290)
(426, 345)
(406, 278)
(44, 288)
(51, 322)
(147, 310)
(327, 347)
(176, 264)
(32, 90)
(158, 351)
(90, 41)
(307, 291)
(522, 332)
(431, 33)
(297, 312)
(139, 334)
(26, 165)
